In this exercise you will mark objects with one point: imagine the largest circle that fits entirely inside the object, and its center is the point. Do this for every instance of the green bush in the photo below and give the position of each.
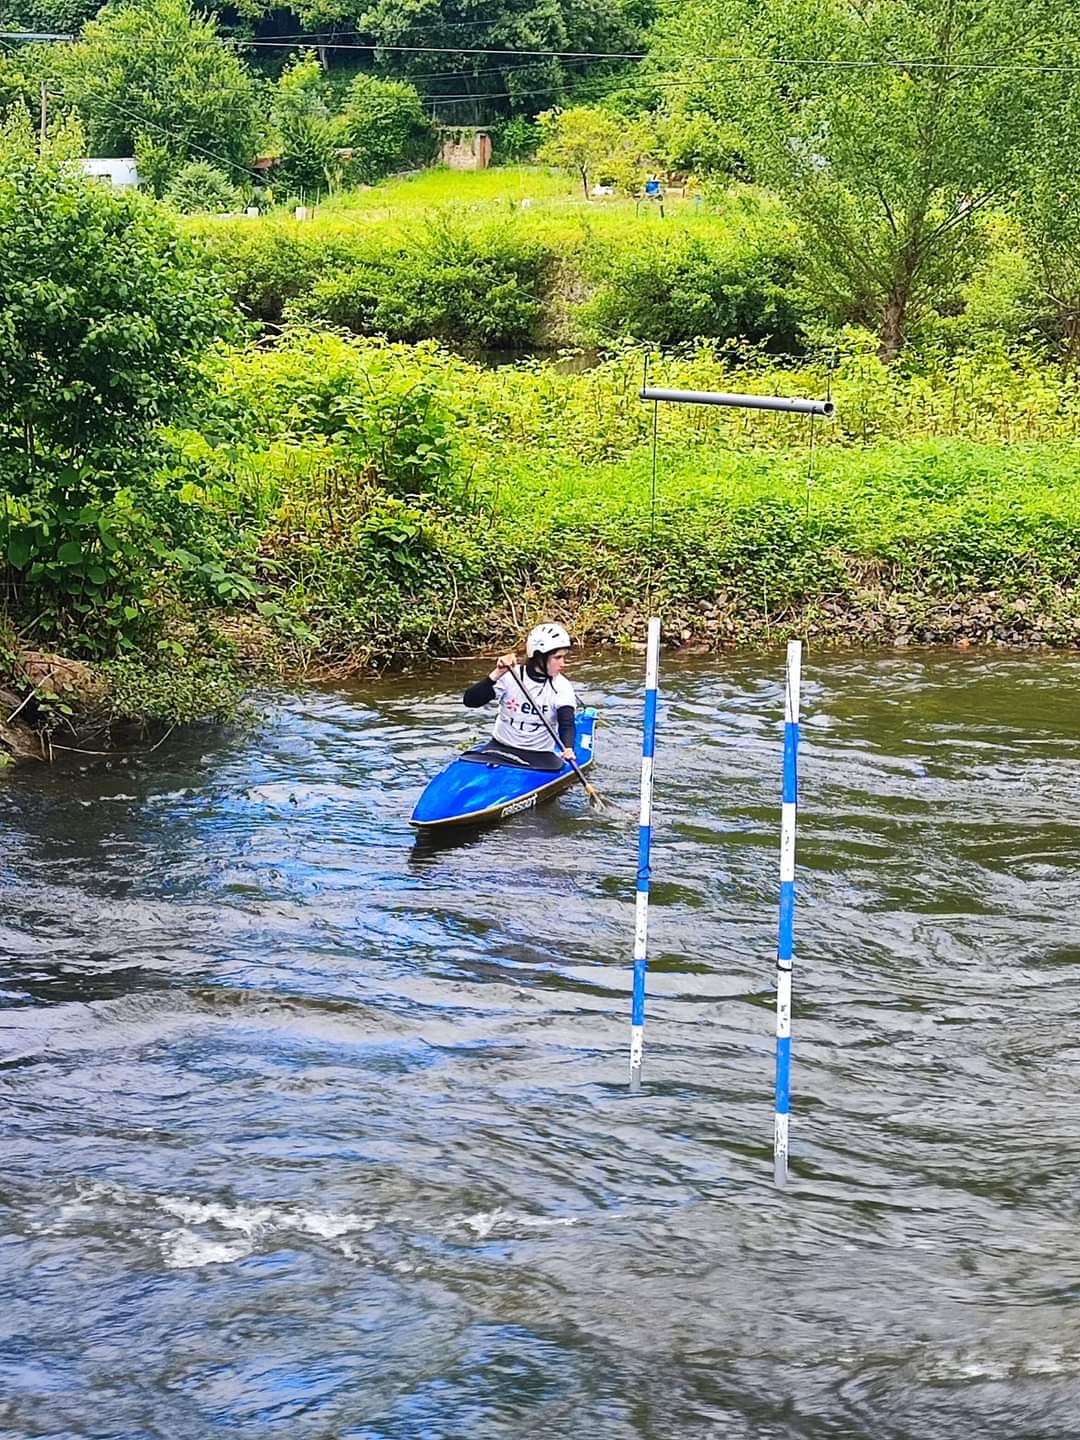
(306, 130)
(467, 286)
(107, 312)
(691, 142)
(268, 262)
(681, 285)
(385, 124)
(516, 140)
(366, 416)
(199, 188)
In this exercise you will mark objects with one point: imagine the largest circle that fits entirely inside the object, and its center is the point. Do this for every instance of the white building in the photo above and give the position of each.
(119, 173)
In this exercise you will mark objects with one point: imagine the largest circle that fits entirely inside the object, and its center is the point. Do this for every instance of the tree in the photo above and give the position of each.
(62, 17)
(150, 71)
(693, 142)
(881, 123)
(594, 142)
(201, 189)
(500, 83)
(105, 314)
(384, 123)
(307, 133)
(17, 87)
(1047, 206)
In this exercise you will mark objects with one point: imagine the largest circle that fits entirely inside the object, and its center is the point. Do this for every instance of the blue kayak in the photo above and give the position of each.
(476, 791)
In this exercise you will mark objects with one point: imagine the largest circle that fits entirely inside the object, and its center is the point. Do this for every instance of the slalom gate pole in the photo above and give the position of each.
(785, 946)
(641, 911)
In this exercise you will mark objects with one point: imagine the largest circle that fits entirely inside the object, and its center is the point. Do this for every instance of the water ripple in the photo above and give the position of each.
(310, 1127)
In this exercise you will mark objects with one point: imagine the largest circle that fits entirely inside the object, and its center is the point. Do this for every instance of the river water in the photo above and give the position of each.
(309, 1131)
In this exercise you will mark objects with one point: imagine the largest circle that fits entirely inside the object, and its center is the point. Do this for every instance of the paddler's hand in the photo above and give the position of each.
(503, 664)
(568, 752)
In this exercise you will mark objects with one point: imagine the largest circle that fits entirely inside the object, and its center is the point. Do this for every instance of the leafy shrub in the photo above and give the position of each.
(306, 129)
(517, 140)
(267, 264)
(385, 124)
(683, 285)
(201, 188)
(371, 416)
(107, 313)
(691, 142)
(309, 163)
(452, 283)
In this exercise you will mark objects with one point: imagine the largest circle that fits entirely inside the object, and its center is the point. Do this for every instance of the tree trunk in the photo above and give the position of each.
(1070, 335)
(893, 334)
(584, 180)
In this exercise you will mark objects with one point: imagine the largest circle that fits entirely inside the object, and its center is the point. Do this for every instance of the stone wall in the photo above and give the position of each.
(465, 149)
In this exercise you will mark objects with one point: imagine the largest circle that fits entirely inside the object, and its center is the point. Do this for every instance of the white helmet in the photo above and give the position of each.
(543, 639)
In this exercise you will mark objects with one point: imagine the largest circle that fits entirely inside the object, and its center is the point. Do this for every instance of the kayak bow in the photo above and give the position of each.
(476, 791)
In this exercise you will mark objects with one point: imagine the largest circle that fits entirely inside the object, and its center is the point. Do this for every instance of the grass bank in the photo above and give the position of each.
(338, 503)
(385, 501)
(513, 258)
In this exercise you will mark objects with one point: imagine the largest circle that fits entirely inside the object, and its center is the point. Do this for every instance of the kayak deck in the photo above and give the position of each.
(477, 792)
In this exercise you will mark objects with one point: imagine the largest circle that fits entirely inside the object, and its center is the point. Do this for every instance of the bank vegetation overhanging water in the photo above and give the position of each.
(343, 504)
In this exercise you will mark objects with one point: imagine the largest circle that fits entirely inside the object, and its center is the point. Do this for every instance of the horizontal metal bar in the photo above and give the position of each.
(744, 402)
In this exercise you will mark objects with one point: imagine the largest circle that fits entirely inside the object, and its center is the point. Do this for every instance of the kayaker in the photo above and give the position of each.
(528, 695)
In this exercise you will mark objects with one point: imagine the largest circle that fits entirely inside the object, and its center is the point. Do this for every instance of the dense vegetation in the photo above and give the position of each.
(247, 441)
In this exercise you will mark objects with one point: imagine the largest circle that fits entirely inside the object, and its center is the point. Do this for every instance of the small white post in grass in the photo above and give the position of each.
(641, 911)
(785, 946)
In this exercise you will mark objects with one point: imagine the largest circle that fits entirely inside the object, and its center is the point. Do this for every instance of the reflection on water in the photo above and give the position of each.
(307, 1127)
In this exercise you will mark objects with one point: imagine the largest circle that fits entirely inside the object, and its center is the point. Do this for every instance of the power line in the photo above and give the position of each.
(804, 62)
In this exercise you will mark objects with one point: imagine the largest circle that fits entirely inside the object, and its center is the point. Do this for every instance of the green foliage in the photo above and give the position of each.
(693, 142)
(677, 286)
(1047, 208)
(307, 132)
(199, 188)
(18, 87)
(364, 417)
(451, 283)
(56, 17)
(507, 82)
(596, 144)
(885, 163)
(385, 124)
(517, 139)
(151, 73)
(104, 315)
(174, 689)
(268, 263)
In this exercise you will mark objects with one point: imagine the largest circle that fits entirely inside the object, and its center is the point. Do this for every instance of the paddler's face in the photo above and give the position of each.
(556, 663)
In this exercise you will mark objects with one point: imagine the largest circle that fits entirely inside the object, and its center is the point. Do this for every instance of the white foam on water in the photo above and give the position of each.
(246, 1225)
(184, 1250)
(246, 1218)
(978, 1366)
(486, 1222)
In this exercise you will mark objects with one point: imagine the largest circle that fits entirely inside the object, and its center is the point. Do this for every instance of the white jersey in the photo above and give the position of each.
(518, 722)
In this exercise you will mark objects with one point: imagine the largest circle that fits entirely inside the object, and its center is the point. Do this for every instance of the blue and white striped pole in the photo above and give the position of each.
(641, 912)
(785, 947)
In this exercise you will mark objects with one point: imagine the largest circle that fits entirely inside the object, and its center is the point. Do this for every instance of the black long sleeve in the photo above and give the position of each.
(480, 694)
(564, 717)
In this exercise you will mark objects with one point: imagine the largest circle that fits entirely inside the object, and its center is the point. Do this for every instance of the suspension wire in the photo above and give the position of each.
(810, 467)
(899, 63)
